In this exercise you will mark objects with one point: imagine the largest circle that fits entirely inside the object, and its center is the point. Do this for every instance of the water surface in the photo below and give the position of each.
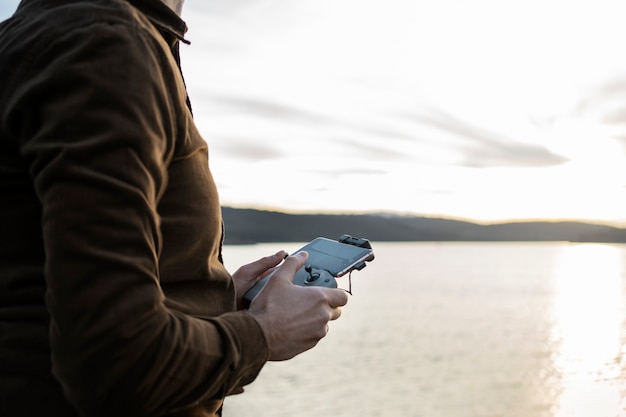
(461, 330)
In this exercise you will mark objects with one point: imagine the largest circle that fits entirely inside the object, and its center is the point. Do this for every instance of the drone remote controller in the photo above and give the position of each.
(328, 259)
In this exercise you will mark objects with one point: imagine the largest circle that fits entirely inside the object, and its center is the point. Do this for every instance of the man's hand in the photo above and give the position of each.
(246, 276)
(294, 318)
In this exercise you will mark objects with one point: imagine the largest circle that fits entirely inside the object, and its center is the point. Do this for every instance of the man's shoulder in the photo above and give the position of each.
(45, 18)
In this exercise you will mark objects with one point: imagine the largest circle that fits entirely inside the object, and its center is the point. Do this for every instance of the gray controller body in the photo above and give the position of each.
(307, 276)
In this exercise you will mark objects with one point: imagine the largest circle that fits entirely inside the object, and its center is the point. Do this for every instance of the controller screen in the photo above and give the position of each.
(333, 256)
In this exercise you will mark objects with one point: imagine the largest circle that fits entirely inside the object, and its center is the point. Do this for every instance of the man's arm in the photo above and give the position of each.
(97, 130)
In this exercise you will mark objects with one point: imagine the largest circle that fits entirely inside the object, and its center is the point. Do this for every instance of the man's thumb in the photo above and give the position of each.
(291, 265)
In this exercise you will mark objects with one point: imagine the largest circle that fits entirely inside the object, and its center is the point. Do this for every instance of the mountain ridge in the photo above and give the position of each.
(247, 226)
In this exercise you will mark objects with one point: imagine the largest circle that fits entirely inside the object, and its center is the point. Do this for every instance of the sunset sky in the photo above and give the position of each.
(485, 110)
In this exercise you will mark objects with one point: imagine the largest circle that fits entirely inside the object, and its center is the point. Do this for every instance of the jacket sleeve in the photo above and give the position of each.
(96, 126)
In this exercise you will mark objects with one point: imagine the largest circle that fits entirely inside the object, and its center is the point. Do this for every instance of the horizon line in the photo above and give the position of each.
(397, 213)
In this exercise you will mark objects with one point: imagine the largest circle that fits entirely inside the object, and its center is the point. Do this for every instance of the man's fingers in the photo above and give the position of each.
(337, 298)
(261, 266)
(292, 264)
(271, 260)
(335, 313)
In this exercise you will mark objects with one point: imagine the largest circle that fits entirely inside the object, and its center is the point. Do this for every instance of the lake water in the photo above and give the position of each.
(461, 330)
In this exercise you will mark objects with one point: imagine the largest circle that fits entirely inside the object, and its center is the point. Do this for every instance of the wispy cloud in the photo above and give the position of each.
(484, 148)
(268, 108)
(606, 103)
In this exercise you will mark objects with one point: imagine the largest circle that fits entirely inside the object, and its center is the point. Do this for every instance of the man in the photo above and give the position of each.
(113, 297)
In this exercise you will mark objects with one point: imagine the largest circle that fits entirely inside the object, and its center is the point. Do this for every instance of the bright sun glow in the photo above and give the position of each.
(588, 319)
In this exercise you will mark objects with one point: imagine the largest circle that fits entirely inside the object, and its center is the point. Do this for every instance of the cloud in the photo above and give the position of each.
(274, 92)
(366, 141)
(385, 149)
(266, 109)
(335, 173)
(605, 107)
(484, 148)
(377, 140)
(606, 103)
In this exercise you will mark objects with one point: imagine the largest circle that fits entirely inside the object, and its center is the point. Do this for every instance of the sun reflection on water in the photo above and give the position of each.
(588, 331)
